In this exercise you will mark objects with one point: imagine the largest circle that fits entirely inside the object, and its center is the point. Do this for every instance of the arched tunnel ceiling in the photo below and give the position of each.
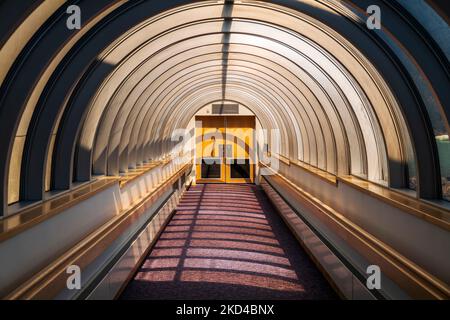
(100, 100)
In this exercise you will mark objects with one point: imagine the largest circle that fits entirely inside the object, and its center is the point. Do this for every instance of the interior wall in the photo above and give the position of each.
(424, 243)
(345, 77)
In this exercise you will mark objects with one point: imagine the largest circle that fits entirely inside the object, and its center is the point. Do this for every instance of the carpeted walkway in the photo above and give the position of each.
(227, 242)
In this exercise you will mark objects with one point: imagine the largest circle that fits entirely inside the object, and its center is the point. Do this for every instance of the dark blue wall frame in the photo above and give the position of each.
(401, 84)
(19, 82)
(46, 112)
(111, 28)
(442, 7)
(27, 70)
(427, 54)
(75, 81)
(17, 11)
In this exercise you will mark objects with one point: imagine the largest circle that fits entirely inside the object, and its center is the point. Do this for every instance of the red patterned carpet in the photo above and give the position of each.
(227, 242)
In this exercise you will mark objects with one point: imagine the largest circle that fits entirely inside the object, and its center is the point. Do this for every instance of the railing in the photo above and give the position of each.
(13, 225)
(436, 214)
(413, 279)
(51, 280)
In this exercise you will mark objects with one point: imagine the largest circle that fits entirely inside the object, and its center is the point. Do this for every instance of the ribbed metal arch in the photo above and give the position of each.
(369, 64)
(193, 75)
(229, 67)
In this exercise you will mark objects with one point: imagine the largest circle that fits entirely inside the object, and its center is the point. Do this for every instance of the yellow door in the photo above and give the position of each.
(224, 149)
(210, 138)
(239, 157)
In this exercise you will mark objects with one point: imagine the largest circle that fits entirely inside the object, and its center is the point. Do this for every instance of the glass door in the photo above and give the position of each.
(224, 148)
(239, 159)
(210, 138)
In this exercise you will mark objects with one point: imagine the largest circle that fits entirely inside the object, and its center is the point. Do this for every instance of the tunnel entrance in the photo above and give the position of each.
(225, 149)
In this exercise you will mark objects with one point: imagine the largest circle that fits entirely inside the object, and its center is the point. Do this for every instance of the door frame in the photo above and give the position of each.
(225, 163)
